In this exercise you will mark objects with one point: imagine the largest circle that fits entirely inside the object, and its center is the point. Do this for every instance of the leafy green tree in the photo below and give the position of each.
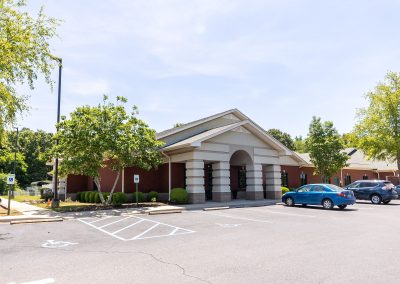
(178, 124)
(300, 144)
(24, 53)
(325, 146)
(349, 140)
(34, 146)
(282, 137)
(7, 160)
(377, 131)
(105, 136)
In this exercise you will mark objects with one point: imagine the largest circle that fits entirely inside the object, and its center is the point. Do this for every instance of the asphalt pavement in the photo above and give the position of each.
(269, 244)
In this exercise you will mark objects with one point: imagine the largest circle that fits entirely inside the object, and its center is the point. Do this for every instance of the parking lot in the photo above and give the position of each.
(270, 244)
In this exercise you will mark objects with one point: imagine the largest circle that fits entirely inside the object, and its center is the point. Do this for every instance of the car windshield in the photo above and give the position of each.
(334, 187)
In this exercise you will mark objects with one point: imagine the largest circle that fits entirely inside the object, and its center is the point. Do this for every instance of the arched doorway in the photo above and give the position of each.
(238, 162)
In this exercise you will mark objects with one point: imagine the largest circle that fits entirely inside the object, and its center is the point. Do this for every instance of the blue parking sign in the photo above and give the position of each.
(10, 179)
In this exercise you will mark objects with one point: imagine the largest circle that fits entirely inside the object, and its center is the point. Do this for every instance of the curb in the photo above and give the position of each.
(8, 219)
(215, 208)
(166, 211)
(15, 222)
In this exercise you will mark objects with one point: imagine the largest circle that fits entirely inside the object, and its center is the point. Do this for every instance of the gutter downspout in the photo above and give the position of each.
(123, 180)
(341, 177)
(169, 175)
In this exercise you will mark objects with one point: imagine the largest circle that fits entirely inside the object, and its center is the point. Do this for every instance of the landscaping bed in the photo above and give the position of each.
(75, 206)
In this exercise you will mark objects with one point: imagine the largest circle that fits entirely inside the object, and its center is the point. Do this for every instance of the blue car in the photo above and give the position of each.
(327, 195)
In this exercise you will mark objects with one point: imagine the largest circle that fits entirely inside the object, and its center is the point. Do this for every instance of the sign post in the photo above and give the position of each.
(136, 181)
(10, 182)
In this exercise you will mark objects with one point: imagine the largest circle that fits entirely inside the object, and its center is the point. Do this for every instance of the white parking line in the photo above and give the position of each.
(115, 222)
(141, 235)
(100, 219)
(131, 225)
(235, 217)
(102, 230)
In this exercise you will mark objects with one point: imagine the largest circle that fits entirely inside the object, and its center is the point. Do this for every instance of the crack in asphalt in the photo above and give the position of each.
(176, 265)
(184, 273)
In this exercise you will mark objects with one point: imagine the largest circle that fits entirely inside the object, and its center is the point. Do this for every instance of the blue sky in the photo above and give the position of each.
(279, 62)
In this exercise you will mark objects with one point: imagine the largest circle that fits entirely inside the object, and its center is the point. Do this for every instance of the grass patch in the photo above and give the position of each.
(69, 206)
(23, 198)
(3, 212)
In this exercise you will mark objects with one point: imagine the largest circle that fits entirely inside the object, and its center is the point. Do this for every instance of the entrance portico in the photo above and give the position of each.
(228, 156)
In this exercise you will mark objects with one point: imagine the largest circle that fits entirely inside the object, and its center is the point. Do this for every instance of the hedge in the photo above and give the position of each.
(179, 196)
(119, 198)
(152, 196)
(140, 197)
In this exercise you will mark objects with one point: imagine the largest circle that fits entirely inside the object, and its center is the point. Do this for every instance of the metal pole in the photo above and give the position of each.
(9, 199)
(137, 205)
(55, 202)
(15, 165)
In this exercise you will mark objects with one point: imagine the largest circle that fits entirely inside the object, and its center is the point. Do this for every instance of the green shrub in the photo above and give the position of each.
(152, 196)
(97, 197)
(140, 196)
(87, 196)
(93, 196)
(105, 195)
(284, 190)
(79, 196)
(119, 198)
(179, 196)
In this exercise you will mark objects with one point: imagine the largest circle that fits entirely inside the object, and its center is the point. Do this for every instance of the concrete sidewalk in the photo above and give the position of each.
(29, 212)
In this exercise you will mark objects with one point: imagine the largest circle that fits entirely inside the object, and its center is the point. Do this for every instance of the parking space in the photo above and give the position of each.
(131, 228)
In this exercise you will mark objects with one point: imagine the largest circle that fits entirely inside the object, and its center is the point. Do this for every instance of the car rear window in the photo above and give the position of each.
(334, 187)
(388, 184)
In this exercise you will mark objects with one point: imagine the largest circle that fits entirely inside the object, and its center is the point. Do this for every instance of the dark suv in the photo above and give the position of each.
(375, 190)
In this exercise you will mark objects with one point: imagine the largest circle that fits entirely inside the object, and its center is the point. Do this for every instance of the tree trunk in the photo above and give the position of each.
(113, 188)
(97, 182)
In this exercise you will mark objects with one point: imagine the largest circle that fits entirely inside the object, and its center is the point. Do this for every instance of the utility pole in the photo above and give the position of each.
(55, 202)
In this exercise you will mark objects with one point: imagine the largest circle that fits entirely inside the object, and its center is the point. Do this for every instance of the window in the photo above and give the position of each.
(303, 178)
(242, 177)
(317, 188)
(365, 176)
(305, 188)
(347, 179)
(284, 178)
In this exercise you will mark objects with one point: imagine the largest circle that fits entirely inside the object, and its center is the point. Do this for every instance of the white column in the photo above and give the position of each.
(221, 190)
(195, 181)
(254, 188)
(273, 182)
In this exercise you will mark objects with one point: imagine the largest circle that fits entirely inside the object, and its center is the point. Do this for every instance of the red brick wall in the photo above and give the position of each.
(77, 183)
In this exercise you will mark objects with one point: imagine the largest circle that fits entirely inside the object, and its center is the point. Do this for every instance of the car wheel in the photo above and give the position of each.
(289, 201)
(386, 201)
(343, 206)
(304, 205)
(376, 199)
(327, 204)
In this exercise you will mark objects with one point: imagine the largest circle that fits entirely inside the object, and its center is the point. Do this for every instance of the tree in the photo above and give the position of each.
(377, 130)
(300, 144)
(24, 53)
(7, 160)
(326, 148)
(34, 147)
(105, 136)
(178, 124)
(282, 137)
